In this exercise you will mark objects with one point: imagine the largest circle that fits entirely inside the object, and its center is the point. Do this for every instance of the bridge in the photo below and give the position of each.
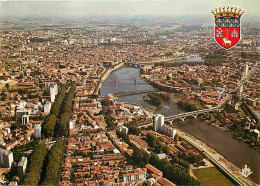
(218, 108)
(193, 114)
(133, 64)
(128, 80)
(214, 157)
(121, 94)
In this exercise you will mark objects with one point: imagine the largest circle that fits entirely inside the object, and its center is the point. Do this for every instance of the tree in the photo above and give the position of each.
(140, 157)
(54, 165)
(156, 145)
(49, 126)
(55, 109)
(3, 96)
(189, 105)
(133, 130)
(36, 164)
(172, 172)
(7, 85)
(66, 111)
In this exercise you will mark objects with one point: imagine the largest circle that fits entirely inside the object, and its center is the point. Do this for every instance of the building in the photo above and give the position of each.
(37, 130)
(134, 175)
(52, 89)
(141, 144)
(158, 124)
(245, 69)
(20, 113)
(123, 130)
(152, 170)
(6, 158)
(169, 131)
(255, 133)
(22, 166)
(165, 182)
(150, 181)
(47, 107)
(162, 155)
(197, 81)
(158, 121)
(25, 119)
(71, 124)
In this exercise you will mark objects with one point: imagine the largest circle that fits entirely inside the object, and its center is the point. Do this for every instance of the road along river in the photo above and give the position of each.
(127, 79)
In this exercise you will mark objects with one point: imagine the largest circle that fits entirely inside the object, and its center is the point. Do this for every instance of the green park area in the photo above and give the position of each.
(211, 176)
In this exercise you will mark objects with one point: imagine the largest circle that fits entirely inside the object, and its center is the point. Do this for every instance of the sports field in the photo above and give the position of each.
(211, 176)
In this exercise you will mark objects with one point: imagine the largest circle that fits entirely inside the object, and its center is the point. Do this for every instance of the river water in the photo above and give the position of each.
(127, 79)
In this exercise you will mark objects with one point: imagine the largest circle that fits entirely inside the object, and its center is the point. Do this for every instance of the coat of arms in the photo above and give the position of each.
(227, 25)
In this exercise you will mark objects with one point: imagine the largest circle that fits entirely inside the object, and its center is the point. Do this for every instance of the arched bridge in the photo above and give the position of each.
(185, 115)
(193, 114)
(133, 64)
(128, 81)
(121, 94)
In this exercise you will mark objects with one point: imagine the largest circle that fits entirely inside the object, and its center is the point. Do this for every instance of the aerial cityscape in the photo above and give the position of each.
(129, 93)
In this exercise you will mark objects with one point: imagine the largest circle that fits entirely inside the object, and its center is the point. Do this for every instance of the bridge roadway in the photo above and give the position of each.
(219, 161)
(183, 116)
(123, 79)
(121, 94)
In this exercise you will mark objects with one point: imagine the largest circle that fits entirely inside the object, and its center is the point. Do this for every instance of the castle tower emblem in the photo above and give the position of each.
(227, 25)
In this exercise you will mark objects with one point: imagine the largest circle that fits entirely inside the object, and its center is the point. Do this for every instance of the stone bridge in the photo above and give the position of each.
(218, 108)
(121, 94)
(133, 64)
(185, 115)
(193, 114)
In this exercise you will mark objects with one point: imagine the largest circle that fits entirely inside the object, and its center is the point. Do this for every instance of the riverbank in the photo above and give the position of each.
(222, 141)
(110, 70)
(161, 60)
(149, 114)
(225, 162)
(105, 75)
(166, 60)
(229, 169)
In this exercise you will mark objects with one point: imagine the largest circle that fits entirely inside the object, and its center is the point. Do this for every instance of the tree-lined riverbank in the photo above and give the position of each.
(222, 141)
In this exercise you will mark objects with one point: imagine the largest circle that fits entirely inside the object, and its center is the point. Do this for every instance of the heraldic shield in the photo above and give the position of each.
(227, 26)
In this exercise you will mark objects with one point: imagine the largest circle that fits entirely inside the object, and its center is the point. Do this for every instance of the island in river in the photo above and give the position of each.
(127, 79)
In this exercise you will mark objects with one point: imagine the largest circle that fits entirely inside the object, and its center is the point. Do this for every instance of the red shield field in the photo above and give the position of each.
(227, 31)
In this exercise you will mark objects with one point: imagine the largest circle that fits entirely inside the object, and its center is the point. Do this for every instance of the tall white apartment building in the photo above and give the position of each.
(6, 158)
(158, 125)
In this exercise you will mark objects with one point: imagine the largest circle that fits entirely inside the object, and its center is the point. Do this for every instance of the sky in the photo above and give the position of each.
(120, 7)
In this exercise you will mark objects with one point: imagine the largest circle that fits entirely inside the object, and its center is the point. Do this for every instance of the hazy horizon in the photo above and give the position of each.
(126, 7)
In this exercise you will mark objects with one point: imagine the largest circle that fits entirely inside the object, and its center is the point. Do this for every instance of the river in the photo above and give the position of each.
(127, 79)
